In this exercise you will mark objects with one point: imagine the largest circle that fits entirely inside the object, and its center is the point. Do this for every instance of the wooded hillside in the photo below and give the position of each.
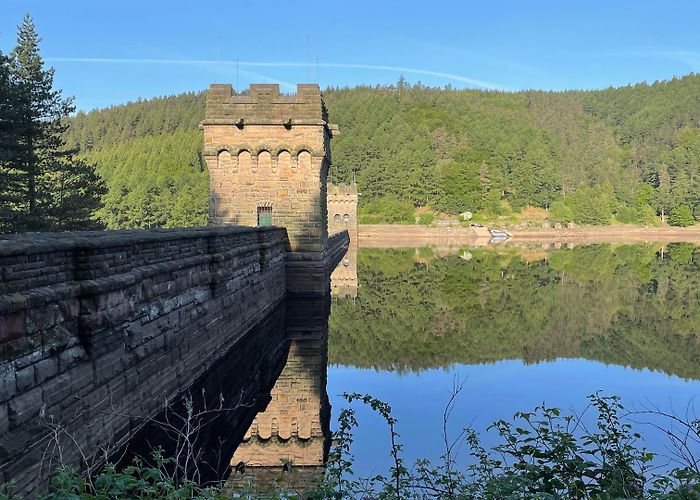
(625, 155)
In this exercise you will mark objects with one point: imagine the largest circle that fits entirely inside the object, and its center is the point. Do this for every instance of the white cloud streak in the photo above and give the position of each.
(244, 64)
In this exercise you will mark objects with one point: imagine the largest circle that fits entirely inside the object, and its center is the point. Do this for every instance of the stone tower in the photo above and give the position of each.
(342, 216)
(268, 156)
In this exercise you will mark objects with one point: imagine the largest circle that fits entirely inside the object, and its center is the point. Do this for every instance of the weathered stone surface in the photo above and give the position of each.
(24, 407)
(119, 322)
(267, 151)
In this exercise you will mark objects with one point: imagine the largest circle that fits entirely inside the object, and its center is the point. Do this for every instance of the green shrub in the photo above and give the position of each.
(560, 211)
(681, 216)
(388, 210)
(540, 454)
(426, 219)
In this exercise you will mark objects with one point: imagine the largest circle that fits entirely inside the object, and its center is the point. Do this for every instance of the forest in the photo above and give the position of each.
(629, 305)
(622, 155)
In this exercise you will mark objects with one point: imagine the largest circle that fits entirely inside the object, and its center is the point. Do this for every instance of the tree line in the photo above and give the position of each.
(627, 155)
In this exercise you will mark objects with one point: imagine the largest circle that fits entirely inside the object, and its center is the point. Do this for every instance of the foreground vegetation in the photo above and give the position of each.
(541, 454)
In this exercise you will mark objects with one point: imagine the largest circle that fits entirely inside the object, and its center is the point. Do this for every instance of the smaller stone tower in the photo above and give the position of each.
(268, 156)
(342, 216)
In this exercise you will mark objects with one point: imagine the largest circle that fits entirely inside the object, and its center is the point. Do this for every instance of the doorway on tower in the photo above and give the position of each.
(264, 216)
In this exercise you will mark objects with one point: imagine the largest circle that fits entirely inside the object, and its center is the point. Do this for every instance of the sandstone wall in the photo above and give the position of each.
(267, 150)
(97, 329)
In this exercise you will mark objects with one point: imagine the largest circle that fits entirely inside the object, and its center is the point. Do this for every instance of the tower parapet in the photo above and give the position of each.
(268, 156)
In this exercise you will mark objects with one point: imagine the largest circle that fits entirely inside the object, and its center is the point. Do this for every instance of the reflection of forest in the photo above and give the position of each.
(633, 305)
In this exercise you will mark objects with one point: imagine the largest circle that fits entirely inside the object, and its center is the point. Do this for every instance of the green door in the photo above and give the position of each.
(264, 216)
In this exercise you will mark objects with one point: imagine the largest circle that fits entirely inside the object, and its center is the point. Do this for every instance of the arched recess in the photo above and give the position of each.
(265, 161)
(304, 160)
(224, 160)
(245, 161)
(284, 160)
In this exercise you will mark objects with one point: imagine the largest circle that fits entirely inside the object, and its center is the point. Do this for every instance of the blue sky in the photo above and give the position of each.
(111, 51)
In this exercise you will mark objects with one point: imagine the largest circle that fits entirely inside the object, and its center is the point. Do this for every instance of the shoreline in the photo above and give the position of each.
(392, 235)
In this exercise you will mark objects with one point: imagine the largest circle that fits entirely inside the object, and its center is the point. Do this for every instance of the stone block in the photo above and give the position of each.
(24, 407)
(25, 378)
(68, 358)
(45, 369)
(4, 419)
(56, 390)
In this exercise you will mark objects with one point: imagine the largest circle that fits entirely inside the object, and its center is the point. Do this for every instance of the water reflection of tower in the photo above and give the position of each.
(294, 428)
(342, 215)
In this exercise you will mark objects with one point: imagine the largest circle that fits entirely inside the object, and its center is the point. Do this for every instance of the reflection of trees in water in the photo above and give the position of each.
(627, 305)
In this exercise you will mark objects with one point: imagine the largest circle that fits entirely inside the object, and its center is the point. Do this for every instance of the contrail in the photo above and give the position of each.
(379, 67)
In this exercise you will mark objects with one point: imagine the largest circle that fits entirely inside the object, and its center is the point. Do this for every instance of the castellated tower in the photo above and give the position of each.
(268, 156)
(342, 216)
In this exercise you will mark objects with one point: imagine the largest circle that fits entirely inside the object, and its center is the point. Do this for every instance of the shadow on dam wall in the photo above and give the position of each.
(271, 383)
(201, 429)
(261, 404)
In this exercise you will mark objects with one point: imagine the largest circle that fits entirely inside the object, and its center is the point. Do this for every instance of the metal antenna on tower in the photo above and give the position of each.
(237, 87)
(317, 80)
(308, 63)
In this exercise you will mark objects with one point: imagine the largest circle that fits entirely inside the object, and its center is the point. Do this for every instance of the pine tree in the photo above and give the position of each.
(58, 192)
(9, 176)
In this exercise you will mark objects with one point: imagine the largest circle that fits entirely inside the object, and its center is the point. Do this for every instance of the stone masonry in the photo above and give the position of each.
(342, 216)
(266, 150)
(98, 327)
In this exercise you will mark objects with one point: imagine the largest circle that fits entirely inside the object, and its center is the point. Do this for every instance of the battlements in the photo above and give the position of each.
(342, 189)
(263, 104)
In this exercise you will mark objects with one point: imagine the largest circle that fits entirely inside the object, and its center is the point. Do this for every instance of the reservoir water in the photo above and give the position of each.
(516, 327)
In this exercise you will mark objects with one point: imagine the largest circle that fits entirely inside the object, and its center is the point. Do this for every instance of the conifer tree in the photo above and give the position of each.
(57, 192)
(9, 176)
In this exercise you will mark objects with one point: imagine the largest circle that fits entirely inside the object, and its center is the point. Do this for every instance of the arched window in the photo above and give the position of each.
(336, 219)
(346, 219)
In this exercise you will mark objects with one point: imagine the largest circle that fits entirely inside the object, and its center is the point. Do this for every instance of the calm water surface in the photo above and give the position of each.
(518, 327)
